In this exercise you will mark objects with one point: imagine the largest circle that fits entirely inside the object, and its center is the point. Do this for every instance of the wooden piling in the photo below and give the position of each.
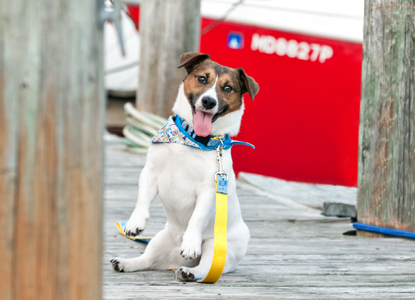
(51, 157)
(168, 28)
(386, 188)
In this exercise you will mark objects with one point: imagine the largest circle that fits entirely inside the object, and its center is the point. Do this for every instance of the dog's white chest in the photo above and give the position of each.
(183, 173)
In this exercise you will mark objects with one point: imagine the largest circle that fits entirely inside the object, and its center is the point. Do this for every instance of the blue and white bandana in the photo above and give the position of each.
(176, 130)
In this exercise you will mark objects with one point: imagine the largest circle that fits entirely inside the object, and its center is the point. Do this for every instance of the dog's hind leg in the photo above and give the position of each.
(236, 250)
(147, 192)
(161, 253)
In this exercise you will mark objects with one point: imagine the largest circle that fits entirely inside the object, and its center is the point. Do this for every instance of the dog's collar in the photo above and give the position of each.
(176, 130)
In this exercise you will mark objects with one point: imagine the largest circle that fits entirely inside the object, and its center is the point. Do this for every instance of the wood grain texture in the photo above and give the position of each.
(8, 178)
(168, 28)
(386, 194)
(293, 253)
(51, 158)
(369, 234)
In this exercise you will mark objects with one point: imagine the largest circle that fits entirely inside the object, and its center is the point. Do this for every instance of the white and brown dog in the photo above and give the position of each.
(209, 99)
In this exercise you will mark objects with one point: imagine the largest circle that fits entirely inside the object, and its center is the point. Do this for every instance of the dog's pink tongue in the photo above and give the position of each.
(202, 123)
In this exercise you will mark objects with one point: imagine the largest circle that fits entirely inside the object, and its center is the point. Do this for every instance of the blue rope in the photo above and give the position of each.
(385, 231)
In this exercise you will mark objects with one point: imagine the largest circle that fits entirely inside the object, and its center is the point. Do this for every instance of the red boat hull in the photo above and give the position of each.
(304, 122)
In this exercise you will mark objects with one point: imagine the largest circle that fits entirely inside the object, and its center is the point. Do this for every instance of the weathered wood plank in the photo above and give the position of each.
(293, 254)
(51, 157)
(386, 195)
(311, 195)
(8, 173)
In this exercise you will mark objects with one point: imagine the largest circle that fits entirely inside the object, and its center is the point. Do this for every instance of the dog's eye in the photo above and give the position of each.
(227, 88)
(202, 79)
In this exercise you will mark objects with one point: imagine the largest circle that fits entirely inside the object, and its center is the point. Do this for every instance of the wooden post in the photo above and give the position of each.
(386, 189)
(51, 150)
(168, 28)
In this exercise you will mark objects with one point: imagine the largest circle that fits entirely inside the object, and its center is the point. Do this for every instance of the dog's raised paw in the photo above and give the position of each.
(116, 265)
(133, 232)
(191, 248)
(184, 274)
(137, 222)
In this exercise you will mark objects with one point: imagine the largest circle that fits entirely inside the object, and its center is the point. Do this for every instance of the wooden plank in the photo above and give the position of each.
(369, 234)
(311, 195)
(52, 108)
(293, 253)
(8, 173)
(386, 195)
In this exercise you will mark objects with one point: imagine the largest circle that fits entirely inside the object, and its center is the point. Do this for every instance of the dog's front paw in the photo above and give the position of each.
(191, 247)
(137, 222)
(184, 274)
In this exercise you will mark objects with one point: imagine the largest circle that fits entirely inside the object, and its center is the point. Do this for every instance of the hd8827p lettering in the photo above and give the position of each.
(291, 48)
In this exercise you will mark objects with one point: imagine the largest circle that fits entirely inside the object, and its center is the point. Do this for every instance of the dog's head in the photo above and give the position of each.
(210, 97)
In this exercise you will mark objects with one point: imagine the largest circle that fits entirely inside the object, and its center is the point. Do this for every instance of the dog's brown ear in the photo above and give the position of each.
(191, 59)
(248, 84)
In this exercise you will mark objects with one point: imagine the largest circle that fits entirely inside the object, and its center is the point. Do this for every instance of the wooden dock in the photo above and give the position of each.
(294, 252)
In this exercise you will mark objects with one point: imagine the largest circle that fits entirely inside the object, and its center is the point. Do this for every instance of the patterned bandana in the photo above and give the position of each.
(176, 130)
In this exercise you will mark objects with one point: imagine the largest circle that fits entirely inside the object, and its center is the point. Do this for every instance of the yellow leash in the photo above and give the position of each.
(220, 239)
(221, 221)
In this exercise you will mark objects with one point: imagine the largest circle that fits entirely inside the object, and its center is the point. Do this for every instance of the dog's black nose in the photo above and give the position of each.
(208, 102)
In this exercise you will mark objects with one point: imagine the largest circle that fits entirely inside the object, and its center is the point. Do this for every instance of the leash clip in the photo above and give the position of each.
(220, 171)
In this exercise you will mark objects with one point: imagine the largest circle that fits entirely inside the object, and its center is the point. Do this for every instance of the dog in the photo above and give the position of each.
(210, 99)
